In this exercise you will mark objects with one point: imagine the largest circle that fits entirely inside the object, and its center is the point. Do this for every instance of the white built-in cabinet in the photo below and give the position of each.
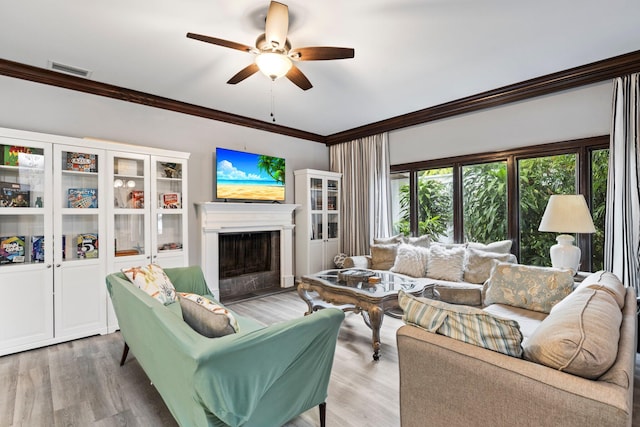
(317, 220)
(71, 211)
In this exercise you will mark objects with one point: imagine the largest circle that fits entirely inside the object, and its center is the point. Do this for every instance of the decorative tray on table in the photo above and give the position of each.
(355, 276)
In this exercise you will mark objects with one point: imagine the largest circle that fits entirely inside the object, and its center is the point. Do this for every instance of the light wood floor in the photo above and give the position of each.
(80, 383)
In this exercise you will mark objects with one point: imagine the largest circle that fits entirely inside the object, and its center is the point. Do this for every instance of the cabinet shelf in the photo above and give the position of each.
(22, 211)
(66, 172)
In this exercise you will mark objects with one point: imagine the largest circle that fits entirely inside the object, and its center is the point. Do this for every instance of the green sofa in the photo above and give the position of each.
(260, 376)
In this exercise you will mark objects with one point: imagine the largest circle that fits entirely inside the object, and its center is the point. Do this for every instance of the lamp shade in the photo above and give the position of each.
(567, 213)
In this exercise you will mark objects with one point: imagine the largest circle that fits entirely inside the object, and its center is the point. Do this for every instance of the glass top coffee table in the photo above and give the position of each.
(371, 293)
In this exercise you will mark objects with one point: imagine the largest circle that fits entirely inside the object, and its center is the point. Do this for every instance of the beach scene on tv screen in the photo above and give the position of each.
(249, 176)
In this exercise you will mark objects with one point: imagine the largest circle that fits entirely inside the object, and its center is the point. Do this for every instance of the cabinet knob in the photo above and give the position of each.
(148, 257)
(49, 266)
(57, 265)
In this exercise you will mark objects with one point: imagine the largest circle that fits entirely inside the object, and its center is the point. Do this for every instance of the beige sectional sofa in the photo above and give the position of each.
(458, 270)
(576, 366)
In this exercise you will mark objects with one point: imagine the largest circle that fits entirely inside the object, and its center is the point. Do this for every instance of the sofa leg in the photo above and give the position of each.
(125, 352)
(323, 413)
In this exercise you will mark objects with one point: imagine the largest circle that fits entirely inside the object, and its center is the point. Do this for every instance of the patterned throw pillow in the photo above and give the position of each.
(411, 260)
(446, 264)
(526, 286)
(338, 260)
(206, 317)
(464, 323)
(477, 268)
(153, 280)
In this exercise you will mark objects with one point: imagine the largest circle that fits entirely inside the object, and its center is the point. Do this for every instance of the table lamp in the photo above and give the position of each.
(566, 213)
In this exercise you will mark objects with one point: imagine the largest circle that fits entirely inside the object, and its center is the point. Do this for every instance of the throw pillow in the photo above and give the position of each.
(206, 317)
(338, 260)
(478, 264)
(446, 264)
(606, 281)
(530, 287)
(580, 337)
(423, 241)
(501, 247)
(397, 239)
(466, 324)
(153, 280)
(383, 256)
(411, 260)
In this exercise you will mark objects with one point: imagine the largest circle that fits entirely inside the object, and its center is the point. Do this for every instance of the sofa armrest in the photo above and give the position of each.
(447, 382)
(358, 261)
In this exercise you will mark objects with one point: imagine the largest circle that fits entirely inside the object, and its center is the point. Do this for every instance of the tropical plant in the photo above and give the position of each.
(273, 166)
(484, 198)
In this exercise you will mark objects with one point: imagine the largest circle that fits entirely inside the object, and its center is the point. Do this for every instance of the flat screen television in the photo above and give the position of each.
(249, 176)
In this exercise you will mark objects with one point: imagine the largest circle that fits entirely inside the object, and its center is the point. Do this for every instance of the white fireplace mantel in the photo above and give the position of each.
(217, 218)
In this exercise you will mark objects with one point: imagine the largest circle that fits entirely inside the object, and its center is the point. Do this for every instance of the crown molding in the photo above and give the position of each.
(53, 78)
(594, 72)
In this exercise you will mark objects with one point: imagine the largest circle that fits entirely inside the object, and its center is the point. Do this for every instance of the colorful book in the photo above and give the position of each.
(14, 195)
(82, 162)
(37, 248)
(170, 201)
(12, 249)
(87, 245)
(10, 157)
(136, 199)
(83, 197)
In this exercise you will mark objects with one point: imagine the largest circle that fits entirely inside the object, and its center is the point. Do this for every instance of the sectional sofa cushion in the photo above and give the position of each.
(423, 241)
(580, 336)
(446, 264)
(477, 268)
(153, 280)
(608, 282)
(206, 317)
(530, 287)
(467, 324)
(411, 260)
(397, 239)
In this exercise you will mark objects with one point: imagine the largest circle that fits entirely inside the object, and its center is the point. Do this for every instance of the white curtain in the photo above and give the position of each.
(365, 202)
(622, 225)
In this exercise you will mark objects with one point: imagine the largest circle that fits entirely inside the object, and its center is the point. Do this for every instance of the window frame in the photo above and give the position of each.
(582, 148)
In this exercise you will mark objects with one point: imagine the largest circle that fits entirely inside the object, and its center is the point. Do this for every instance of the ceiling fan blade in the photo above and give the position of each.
(320, 53)
(247, 71)
(299, 79)
(277, 24)
(220, 42)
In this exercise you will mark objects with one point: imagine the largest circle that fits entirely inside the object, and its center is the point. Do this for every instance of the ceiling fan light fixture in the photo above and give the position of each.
(273, 64)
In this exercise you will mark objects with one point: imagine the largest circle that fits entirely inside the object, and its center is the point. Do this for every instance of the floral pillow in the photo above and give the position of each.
(206, 317)
(526, 286)
(153, 280)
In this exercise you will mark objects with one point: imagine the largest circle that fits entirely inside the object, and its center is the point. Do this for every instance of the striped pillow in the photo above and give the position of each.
(466, 324)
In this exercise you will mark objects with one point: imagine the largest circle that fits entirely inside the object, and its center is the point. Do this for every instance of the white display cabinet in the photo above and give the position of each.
(72, 211)
(317, 220)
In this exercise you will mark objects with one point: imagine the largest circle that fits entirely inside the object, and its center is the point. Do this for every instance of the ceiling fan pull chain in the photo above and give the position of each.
(273, 103)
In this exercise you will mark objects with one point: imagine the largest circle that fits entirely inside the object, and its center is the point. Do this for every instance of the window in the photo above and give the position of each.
(400, 212)
(488, 197)
(539, 178)
(484, 202)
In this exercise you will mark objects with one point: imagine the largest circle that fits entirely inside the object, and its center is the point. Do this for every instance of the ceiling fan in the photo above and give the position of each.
(274, 55)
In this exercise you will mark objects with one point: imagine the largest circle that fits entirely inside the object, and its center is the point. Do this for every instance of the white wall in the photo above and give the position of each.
(40, 108)
(572, 114)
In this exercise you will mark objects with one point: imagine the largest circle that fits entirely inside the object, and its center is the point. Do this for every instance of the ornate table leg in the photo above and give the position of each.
(302, 291)
(375, 315)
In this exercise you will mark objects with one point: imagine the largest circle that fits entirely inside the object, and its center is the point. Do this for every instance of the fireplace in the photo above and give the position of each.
(231, 227)
(249, 262)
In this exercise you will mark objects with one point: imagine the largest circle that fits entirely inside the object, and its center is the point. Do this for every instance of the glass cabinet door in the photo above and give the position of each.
(130, 227)
(23, 223)
(169, 224)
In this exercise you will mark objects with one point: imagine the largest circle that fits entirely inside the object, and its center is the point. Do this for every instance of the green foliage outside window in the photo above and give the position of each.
(485, 202)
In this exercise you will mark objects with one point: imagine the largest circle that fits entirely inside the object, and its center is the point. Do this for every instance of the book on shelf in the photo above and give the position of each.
(136, 199)
(12, 249)
(170, 170)
(37, 248)
(87, 245)
(81, 162)
(14, 155)
(83, 197)
(14, 195)
(170, 201)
